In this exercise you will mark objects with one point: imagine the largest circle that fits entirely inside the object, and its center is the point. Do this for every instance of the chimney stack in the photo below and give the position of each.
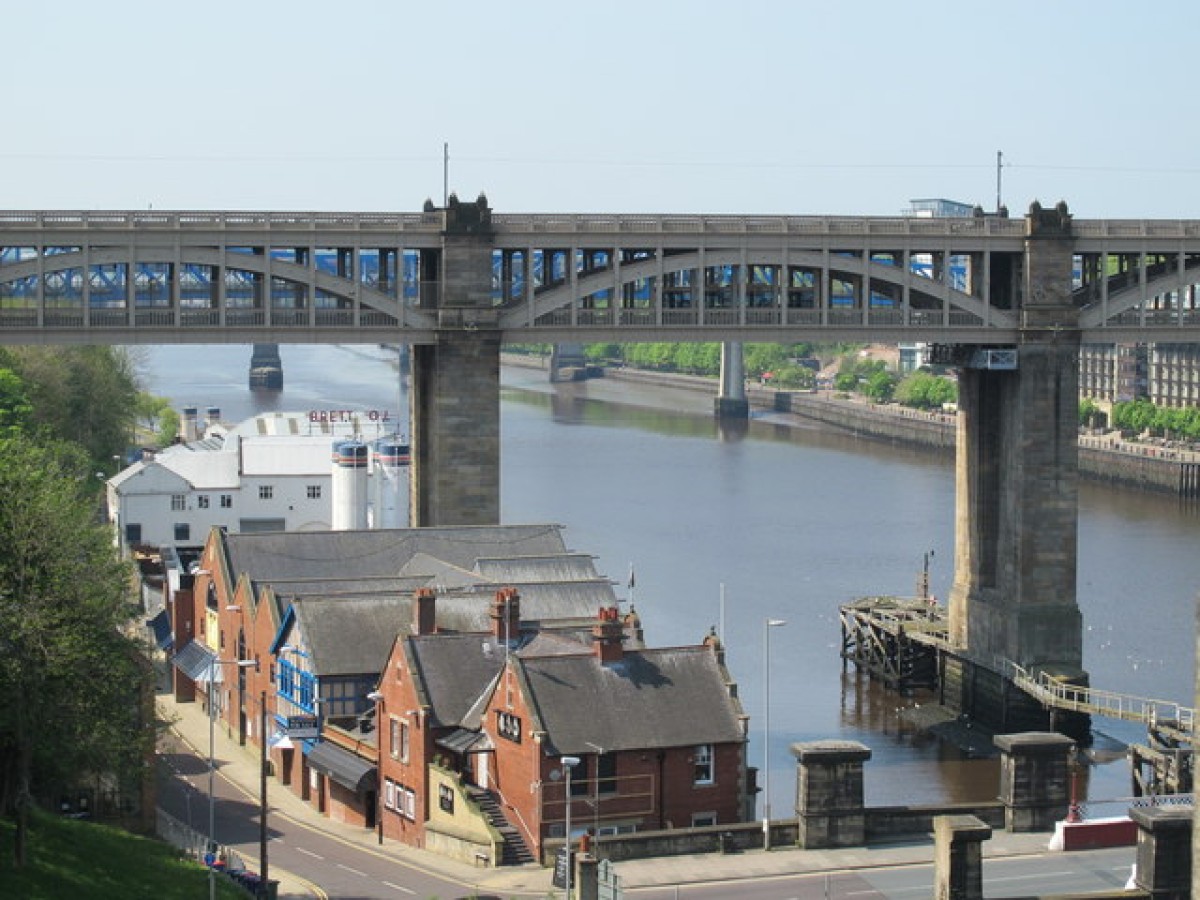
(607, 634)
(506, 615)
(424, 611)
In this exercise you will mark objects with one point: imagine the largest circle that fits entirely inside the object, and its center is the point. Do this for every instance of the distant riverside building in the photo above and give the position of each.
(285, 471)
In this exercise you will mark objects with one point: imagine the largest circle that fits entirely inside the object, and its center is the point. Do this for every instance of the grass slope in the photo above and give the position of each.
(69, 858)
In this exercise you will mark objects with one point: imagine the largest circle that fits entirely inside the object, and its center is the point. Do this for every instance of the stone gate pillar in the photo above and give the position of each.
(1017, 476)
(455, 395)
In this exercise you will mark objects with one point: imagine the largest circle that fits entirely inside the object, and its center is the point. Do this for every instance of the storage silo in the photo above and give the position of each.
(390, 477)
(349, 500)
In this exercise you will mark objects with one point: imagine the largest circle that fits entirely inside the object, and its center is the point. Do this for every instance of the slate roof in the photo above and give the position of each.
(561, 567)
(343, 554)
(649, 699)
(350, 635)
(453, 670)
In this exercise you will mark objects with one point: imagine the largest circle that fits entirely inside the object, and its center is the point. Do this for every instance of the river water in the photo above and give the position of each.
(786, 521)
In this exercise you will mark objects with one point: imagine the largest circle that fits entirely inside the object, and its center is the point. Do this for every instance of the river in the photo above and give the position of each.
(792, 519)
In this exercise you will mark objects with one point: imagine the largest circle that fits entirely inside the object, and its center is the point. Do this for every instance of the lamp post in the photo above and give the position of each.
(262, 790)
(377, 698)
(768, 624)
(569, 763)
(211, 847)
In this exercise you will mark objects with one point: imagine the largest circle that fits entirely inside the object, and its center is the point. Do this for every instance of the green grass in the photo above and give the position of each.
(69, 858)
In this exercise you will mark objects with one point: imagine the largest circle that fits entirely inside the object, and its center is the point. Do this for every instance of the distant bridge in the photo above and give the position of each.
(242, 277)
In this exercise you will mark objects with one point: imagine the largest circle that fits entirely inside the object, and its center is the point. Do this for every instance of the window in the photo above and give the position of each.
(394, 738)
(266, 491)
(403, 742)
(202, 501)
(446, 798)
(580, 787)
(704, 819)
(409, 800)
(606, 773)
(702, 764)
(178, 502)
(314, 492)
(133, 532)
(389, 795)
(227, 501)
(183, 531)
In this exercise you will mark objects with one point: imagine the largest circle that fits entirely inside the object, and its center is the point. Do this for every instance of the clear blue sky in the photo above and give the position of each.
(671, 106)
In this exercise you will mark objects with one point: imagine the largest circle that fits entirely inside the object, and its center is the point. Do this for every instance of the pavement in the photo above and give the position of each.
(240, 765)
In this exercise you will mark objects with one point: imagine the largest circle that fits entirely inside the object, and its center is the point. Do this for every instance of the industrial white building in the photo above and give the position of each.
(275, 472)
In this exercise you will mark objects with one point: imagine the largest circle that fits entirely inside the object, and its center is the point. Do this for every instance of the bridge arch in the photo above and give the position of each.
(344, 289)
(914, 290)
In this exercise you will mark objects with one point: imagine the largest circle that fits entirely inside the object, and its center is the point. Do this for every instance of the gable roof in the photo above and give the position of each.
(560, 567)
(350, 635)
(341, 554)
(452, 670)
(650, 699)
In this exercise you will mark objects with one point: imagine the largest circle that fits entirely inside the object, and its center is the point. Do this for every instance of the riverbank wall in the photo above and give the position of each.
(1107, 458)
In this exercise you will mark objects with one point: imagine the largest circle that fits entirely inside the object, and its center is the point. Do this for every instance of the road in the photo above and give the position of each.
(349, 870)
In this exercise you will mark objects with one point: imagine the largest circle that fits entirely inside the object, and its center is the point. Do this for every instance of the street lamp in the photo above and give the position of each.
(768, 624)
(569, 763)
(213, 662)
(262, 787)
(377, 698)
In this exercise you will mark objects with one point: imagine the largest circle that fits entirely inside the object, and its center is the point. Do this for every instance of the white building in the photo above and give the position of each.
(274, 472)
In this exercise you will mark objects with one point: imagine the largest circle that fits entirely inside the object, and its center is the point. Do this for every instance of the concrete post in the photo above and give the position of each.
(958, 857)
(586, 882)
(1035, 779)
(829, 793)
(455, 394)
(1164, 851)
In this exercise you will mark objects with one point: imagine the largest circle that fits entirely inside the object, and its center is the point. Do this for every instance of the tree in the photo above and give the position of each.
(16, 413)
(86, 394)
(63, 602)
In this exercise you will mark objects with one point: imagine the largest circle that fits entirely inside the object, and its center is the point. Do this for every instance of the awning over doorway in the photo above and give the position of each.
(160, 627)
(196, 662)
(342, 766)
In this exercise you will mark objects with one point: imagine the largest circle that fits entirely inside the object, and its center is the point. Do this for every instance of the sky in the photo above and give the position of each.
(840, 107)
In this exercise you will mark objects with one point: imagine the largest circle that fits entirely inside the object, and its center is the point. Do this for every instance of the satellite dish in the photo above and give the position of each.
(555, 774)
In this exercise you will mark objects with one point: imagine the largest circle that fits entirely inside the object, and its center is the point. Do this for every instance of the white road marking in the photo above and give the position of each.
(354, 871)
(400, 887)
(309, 853)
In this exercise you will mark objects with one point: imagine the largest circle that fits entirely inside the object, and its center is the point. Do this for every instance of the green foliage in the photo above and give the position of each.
(1089, 412)
(155, 415)
(879, 386)
(86, 394)
(1141, 417)
(924, 390)
(70, 680)
(16, 412)
(80, 859)
(705, 359)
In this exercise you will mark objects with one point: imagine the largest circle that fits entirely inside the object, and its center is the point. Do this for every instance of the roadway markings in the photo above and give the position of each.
(309, 853)
(399, 887)
(352, 871)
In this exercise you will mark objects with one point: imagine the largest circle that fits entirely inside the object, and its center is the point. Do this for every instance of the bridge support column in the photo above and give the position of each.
(1017, 479)
(455, 394)
(731, 402)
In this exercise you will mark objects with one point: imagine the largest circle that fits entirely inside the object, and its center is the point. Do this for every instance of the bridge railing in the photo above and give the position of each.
(1061, 694)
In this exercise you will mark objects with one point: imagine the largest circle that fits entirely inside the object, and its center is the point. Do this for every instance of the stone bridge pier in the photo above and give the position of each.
(455, 395)
(1016, 491)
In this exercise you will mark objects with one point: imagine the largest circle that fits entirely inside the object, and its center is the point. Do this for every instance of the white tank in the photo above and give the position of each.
(390, 483)
(349, 501)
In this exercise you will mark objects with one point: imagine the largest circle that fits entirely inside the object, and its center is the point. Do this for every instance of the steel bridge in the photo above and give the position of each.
(241, 277)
